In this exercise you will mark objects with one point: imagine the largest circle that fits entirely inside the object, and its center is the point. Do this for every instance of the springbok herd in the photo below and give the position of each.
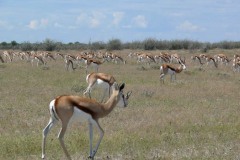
(95, 59)
(64, 108)
(165, 60)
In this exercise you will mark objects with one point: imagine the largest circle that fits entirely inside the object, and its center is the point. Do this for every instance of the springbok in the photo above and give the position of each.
(69, 62)
(102, 80)
(147, 58)
(222, 58)
(69, 59)
(115, 58)
(174, 58)
(94, 63)
(210, 59)
(39, 59)
(162, 57)
(169, 69)
(196, 57)
(8, 55)
(65, 108)
(236, 63)
(1, 58)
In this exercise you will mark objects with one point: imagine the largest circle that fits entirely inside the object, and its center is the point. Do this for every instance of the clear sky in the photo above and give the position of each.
(128, 20)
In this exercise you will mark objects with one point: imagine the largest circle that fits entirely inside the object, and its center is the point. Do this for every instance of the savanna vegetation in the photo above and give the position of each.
(117, 44)
(194, 117)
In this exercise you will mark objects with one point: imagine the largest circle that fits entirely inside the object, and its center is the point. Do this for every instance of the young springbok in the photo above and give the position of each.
(65, 108)
(102, 80)
(169, 69)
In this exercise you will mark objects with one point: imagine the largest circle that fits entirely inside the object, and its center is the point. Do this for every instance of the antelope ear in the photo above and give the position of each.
(122, 86)
(129, 94)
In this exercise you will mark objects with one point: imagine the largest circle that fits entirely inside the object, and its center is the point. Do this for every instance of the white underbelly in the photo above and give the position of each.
(171, 72)
(80, 116)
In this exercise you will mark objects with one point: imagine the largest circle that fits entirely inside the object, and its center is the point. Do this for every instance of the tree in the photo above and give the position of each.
(149, 44)
(114, 44)
(14, 43)
(49, 45)
(4, 44)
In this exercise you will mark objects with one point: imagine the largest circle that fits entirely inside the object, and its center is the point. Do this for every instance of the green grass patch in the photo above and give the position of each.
(194, 117)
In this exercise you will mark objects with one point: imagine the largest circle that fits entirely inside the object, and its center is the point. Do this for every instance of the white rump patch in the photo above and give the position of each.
(52, 109)
(102, 83)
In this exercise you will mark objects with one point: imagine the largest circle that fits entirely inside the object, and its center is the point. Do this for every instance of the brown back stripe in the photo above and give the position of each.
(84, 109)
(171, 67)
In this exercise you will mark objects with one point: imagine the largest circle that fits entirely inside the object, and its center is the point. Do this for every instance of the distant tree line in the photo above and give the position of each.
(116, 44)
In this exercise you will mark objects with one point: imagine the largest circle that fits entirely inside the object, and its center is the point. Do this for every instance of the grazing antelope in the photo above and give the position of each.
(202, 55)
(236, 63)
(61, 55)
(99, 79)
(65, 108)
(222, 58)
(1, 58)
(236, 66)
(8, 55)
(119, 59)
(174, 58)
(211, 59)
(50, 56)
(134, 55)
(166, 57)
(145, 58)
(69, 62)
(169, 69)
(69, 59)
(94, 63)
(22, 55)
(27, 56)
(115, 58)
(161, 58)
(194, 58)
(236, 56)
(39, 59)
(130, 55)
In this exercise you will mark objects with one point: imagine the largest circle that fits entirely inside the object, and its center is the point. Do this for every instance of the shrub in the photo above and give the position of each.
(149, 44)
(114, 44)
(136, 45)
(49, 45)
(26, 46)
(98, 45)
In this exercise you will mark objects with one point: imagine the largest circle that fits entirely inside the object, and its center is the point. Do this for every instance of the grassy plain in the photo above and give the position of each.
(195, 117)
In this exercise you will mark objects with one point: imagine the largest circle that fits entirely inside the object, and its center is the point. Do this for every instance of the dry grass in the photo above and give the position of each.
(196, 117)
